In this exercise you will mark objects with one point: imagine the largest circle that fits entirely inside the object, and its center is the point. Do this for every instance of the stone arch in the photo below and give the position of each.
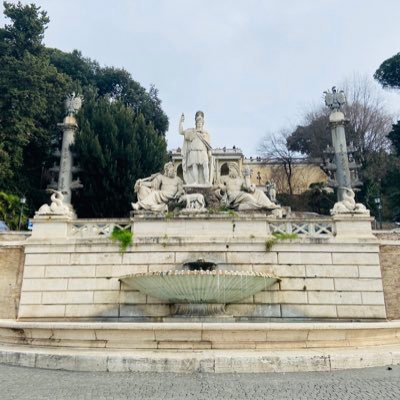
(179, 171)
(224, 170)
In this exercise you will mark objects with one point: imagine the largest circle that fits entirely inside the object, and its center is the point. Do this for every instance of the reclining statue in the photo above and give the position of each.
(240, 194)
(155, 192)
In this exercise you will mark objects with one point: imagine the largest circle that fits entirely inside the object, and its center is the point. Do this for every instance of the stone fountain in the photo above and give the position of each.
(216, 260)
(200, 289)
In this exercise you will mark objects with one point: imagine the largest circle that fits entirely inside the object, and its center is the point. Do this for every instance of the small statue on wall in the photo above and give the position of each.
(57, 206)
(348, 205)
(194, 202)
(271, 190)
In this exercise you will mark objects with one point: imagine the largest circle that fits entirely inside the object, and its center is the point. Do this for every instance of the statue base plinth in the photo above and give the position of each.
(197, 186)
(194, 211)
(51, 226)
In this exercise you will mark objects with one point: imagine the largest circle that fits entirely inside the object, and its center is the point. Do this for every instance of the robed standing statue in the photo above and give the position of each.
(196, 153)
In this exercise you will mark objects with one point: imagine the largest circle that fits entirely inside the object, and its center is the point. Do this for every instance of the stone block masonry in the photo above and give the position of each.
(11, 268)
(390, 264)
(326, 273)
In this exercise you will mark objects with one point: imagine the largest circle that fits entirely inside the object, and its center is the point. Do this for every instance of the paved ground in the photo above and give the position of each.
(39, 384)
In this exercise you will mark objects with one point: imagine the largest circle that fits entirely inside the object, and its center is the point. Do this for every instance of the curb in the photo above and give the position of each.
(206, 361)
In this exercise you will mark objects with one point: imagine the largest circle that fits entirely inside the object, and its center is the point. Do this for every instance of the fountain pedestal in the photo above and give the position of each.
(199, 312)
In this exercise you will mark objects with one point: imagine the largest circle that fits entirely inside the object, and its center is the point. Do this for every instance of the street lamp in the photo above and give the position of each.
(22, 201)
(379, 207)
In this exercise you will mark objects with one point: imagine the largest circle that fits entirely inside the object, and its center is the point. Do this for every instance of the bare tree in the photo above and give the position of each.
(369, 121)
(274, 149)
(368, 126)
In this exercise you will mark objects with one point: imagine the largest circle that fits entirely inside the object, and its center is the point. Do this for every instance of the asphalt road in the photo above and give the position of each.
(39, 384)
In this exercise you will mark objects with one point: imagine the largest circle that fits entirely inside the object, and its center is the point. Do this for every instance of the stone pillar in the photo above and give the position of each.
(353, 226)
(337, 123)
(69, 127)
(50, 227)
(346, 203)
(61, 198)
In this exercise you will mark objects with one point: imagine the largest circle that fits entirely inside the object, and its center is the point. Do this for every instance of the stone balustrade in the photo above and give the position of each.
(95, 228)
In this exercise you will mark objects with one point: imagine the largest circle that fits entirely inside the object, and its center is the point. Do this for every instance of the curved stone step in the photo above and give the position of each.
(206, 361)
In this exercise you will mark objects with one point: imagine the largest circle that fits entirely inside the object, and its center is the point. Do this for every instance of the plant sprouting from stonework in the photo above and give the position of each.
(123, 236)
(269, 243)
(278, 236)
(285, 236)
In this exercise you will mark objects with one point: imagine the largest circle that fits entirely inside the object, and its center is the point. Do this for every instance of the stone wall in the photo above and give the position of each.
(11, 266)
(330, 271)
(390, 264)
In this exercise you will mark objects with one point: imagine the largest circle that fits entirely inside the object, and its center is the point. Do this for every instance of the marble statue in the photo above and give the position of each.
(240, 193)
(271, 190)
(335, 100)
(193, 201)
(156, 191)
(196, 152)
(73, 103)
(57, 206)
(348, 205)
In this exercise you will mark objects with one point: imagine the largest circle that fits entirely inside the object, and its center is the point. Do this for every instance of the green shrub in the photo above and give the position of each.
(123, 236)
(10, 210)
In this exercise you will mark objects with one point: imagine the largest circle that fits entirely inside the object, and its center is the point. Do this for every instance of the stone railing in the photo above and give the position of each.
(96, 228)
(304, 228)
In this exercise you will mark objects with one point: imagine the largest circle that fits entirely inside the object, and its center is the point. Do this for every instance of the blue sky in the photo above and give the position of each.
(253, 66)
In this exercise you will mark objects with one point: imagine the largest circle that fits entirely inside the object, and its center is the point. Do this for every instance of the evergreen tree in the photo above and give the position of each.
(122, 124)
(388, 74)
(115, 147)
(31, 101)
(394, 137)
(391, 183)
(115, 83)
(26, 32)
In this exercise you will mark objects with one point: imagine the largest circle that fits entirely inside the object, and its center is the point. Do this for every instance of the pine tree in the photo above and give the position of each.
(115, 147)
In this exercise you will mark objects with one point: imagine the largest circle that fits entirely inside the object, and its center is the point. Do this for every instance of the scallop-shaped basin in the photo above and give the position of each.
(200, 286)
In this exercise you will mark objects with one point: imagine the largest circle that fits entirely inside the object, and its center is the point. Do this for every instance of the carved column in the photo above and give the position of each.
(69, 127)
(61, 198)
(346, 203)
(337, 125)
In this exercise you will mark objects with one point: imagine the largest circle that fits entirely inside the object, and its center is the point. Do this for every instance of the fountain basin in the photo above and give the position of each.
(199, 286)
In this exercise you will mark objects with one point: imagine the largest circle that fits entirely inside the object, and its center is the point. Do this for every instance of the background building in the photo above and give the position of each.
(301, 172)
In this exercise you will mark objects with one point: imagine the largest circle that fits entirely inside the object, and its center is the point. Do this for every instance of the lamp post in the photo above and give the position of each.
(22, 201)
(379, 207)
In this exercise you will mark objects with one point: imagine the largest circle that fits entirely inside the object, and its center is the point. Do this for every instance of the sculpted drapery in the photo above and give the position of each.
(196, 152)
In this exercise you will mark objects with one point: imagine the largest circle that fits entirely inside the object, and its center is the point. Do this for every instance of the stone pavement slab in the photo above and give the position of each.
(18, 383)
